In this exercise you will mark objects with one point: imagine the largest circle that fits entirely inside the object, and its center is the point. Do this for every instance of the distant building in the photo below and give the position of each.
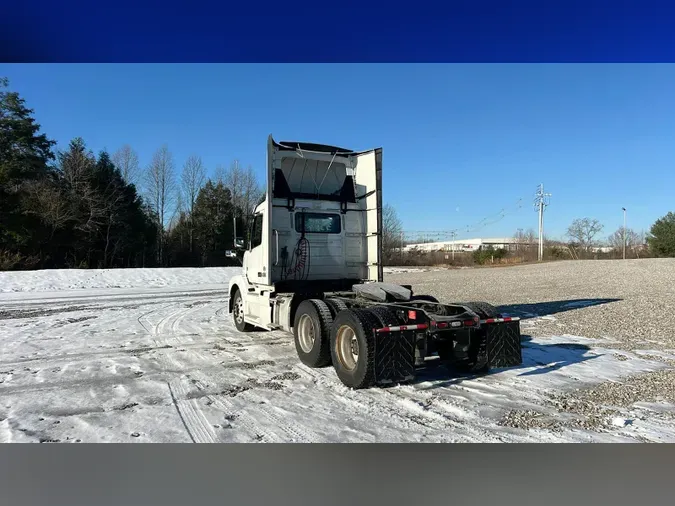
(469, 245)
(602, 249)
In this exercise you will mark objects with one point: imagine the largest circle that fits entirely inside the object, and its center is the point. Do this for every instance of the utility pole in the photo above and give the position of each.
(401, 247)
(541, 200)
(624, 232)
(234, 210)
(454, 234)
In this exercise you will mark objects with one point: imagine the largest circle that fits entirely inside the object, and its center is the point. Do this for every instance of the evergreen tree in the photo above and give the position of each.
(25, 156)
(213, 223)
(661, 238)
(82, 211)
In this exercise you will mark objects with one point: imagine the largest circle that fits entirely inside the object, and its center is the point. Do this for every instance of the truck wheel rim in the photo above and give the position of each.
(239, 310)
(306, 334)
(347, 347)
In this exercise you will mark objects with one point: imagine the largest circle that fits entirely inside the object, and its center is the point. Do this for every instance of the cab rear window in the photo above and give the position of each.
(319, 223)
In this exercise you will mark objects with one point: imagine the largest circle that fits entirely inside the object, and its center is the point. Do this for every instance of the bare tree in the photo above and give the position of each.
(233, 179)
(192, 180)
(392, 230)
(245, 189)
(584, 231)
(77, 167)
(47, 201)
(519, 236)
(252, 191)
(161, 187)
(219, 174)
(531, 237)
(633, 239)
(126, 161)
(113, 197)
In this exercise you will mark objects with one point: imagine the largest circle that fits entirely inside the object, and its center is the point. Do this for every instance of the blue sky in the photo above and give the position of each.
(461, 142)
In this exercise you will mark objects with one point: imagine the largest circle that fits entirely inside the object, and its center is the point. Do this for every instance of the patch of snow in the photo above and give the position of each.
(656, 407)
(618, 421)
(5, 432)
(656, 353)
(159, 360)
(400, 270)
(79, 279)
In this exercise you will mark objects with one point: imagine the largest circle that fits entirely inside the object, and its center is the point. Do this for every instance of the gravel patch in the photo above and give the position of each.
(632, 301)
(13, 314)
(529, 419)
(598, 407)
(649, 387)
(286, 376)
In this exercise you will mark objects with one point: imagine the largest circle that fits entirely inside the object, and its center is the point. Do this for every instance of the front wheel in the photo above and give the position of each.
(238, 313)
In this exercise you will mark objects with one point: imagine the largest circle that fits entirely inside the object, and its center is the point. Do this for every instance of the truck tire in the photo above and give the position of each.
(335, 306)
(386, 316)
(238, 313)
(352, 347)
(478, 361)
(311, 330)
(472, 366)
(483, 309)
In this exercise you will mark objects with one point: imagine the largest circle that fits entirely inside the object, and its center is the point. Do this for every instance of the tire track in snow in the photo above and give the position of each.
(297, 433)
(151, 328)
(434, 407)
(109, 353)
(364, 404)
(248, 419)
(250, 416)
(248, 423)
(407, 409)
(197, 426)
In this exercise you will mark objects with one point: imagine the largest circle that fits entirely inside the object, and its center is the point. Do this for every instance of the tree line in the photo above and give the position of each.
(77, 209)
(582, 240)
(584, 235)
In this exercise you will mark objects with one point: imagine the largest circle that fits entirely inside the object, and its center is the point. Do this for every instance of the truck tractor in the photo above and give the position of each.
(313, 267)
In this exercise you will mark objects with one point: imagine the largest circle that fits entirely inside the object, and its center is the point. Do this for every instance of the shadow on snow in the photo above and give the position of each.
(537, 358)
(544, 358)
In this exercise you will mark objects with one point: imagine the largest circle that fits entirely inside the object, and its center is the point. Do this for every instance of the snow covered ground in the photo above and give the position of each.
(150, 355)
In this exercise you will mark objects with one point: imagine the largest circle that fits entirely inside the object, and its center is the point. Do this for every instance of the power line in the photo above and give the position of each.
(425, 236)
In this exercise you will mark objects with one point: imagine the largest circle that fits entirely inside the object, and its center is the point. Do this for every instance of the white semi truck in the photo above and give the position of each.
(313, 267)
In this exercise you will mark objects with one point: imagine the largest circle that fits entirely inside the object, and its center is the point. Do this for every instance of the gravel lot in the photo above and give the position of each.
(631, 303)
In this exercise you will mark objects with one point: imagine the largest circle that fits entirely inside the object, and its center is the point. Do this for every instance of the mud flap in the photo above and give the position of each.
(503, 344)
(394, 357)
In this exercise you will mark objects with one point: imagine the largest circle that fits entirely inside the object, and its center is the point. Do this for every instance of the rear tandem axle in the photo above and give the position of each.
(383, 343)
